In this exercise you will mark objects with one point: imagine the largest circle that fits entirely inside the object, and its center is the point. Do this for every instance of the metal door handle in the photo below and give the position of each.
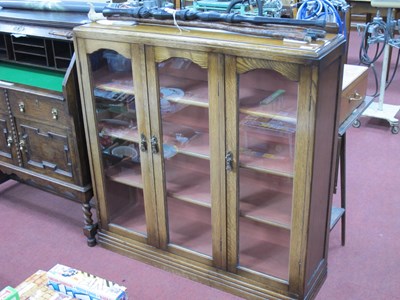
(229, 161)
(154, 145)
(143, 143)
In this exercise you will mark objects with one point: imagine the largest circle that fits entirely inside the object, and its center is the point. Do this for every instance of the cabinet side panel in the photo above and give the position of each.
(324, 159)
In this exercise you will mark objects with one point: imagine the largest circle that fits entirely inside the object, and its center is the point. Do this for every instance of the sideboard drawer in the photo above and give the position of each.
(48, 109)
(354, 89)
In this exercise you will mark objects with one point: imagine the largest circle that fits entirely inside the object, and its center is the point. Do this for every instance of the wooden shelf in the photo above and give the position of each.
(283, 109)
(116, 130)
(281, 166)
(263, 248)
(190, 226)
(195, 92)
(266, 199)
(188, 179)
(121, 82)
(128, 173)
(197, 144)
(127, 208)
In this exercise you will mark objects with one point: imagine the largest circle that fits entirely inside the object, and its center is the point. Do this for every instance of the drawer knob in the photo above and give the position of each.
(9, 141)
(21, 107)
(22, 145)
(356, 97)
(54, 113)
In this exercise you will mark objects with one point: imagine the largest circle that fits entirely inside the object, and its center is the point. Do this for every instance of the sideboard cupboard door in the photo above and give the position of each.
(186, 141)
(116, 111)
(263, 111)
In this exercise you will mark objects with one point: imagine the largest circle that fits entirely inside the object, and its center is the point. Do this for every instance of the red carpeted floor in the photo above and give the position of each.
(39, 230)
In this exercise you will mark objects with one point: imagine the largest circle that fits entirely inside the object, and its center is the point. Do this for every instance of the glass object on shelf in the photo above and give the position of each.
(184, 112)
(114, 97)
(267, 132)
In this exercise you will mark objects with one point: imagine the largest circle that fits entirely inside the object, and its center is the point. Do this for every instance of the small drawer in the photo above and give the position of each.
(50, 110)
(355, 83)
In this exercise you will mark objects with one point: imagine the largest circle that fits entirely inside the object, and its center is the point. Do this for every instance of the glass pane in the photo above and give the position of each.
(184, 113)
(267, 131)
(118, 135)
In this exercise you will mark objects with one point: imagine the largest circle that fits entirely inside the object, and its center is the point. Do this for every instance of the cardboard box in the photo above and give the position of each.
(82, 285)
(35, 288)
(8, 293)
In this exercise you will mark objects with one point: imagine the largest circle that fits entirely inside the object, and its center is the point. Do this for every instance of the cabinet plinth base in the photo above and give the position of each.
(225, 281)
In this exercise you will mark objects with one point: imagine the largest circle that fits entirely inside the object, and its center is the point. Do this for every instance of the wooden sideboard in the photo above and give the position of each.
(43, 141)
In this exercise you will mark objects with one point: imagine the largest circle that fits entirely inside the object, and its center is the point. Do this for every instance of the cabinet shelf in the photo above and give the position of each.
(277, 166)
(30, 41)
(284, 108)
(261, 201)
(113, 128)
(62, 58)
(185, 88)
(121, 82)
(31, 60)
(126, 173)
(193, 92)
(187, 180)
(190, 226)
(189, 140)
(30, 52)
(127, 209)
(264, 249)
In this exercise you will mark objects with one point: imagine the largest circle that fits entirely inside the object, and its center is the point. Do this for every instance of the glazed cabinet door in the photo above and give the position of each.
(262, 104)
(187, 120)
(116, 117)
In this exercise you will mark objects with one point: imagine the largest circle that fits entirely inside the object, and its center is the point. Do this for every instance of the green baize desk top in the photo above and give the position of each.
(32, 76)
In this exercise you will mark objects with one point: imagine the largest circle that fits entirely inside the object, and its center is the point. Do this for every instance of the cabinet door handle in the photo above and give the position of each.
(21, 107)
(9, 141)
(154, 145)
(54, 113)
(229, 161)
(143, 143)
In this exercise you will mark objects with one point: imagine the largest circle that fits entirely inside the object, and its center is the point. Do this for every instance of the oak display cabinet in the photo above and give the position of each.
(212, 153)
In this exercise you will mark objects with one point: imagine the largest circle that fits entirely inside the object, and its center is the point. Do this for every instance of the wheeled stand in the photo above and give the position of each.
(379, 109)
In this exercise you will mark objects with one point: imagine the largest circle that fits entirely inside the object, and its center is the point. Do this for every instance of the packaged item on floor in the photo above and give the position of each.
(35, 288)
(82, 285)
(8, 293)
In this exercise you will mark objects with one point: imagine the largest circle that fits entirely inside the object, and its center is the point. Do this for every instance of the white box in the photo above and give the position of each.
(82, 285)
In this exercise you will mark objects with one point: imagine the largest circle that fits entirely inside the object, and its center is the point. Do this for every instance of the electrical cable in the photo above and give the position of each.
(321, 9)
(381, 30)
(364, 58)
(234, 2)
